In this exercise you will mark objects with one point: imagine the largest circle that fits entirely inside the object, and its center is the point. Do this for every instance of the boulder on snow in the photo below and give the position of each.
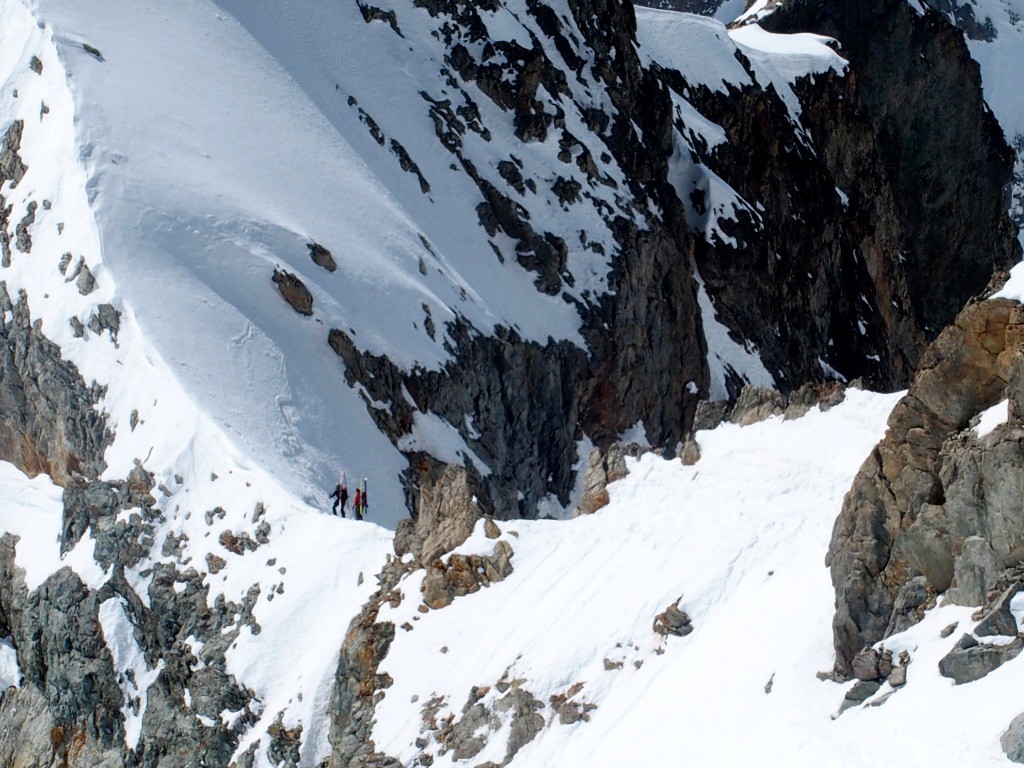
(294, 291)
(322, 257)
(673, 621)
(898, 676)
(689, 454)
(1000, 620)
(1012, 740)
(970, 660)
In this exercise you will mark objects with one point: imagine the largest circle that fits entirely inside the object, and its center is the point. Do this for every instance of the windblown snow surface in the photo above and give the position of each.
(187, 149)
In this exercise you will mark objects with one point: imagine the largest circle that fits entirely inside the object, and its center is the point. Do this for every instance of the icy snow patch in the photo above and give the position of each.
(33, 510)
(992, 418)
(10, 673)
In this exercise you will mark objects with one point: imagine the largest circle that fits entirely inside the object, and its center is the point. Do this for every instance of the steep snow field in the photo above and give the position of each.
(739, 537)
(220, 140)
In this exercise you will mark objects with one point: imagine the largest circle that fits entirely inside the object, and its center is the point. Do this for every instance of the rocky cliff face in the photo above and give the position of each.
(868, 225)
(877, 206)
(933, 508)
(531, 403)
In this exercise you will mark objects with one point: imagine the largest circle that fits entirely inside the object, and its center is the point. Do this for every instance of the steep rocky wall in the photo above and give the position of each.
(878, 216)
(531, 403)
(870, 237)
(935, 501)
(50, 419)
(940, 149)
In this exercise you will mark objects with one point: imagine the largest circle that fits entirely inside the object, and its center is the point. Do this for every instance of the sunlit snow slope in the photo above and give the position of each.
(738, 540)
(220, 140)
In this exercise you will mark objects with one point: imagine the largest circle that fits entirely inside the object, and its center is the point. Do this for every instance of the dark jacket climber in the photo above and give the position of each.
(340, 496)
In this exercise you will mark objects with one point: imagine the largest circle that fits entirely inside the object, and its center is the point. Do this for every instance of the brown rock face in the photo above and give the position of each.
(48, 422)
(605, 467)
(461, 575)
(934, 501)
(294, 291)
(447, 511)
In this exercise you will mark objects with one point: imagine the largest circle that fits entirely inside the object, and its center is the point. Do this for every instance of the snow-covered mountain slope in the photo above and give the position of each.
(475, 173)
(733, 538)
(451, 247)
(736, 539)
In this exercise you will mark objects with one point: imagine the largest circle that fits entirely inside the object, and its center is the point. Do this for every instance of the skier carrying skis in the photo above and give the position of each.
(359, 504)
(340, 494)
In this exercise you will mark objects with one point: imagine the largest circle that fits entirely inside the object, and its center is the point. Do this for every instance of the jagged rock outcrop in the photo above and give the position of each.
(69, 708)
(467, 736)
(460, 575)
(64, 655)
(605, 468)
(934, 500)
(447, 511)
(358, 686)
(50, 419)
(970, 660)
